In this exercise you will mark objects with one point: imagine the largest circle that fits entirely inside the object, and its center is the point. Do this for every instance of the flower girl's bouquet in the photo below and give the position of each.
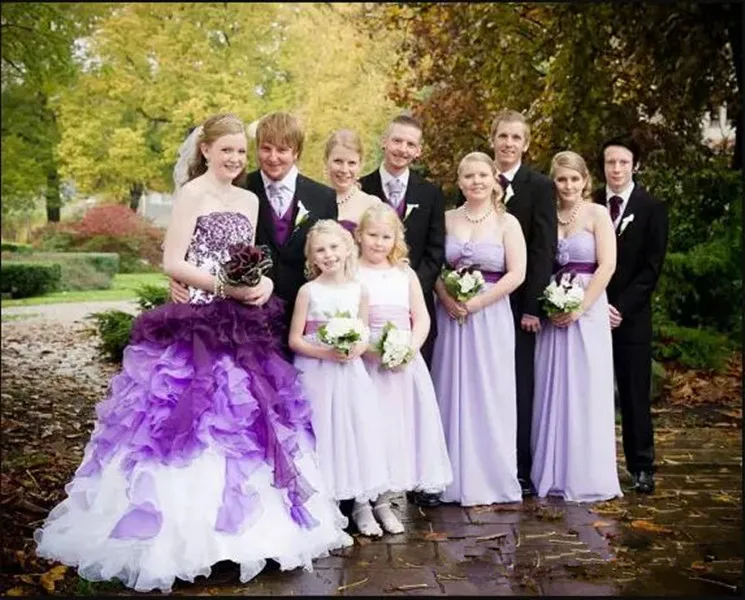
(341, 332)
(393, 346)
(562, 296)
(463, 283)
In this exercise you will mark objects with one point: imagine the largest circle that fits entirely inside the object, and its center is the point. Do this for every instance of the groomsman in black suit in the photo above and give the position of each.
(421, 206)
(641, 236)
(529, 197)
(289, 204)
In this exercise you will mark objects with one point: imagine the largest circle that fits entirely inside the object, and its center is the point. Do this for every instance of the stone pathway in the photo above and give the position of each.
(686, 539)
(68, 312)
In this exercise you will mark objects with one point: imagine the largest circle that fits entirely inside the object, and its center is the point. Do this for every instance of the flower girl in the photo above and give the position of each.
(329, 335)
(414, 441)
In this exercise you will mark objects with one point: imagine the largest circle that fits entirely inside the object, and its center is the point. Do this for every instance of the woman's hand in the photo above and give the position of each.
(474, 305)
(566, 319)
(260, 293)
(456, 310)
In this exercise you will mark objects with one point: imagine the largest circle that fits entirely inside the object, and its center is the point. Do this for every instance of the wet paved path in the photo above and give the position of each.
(686, 539)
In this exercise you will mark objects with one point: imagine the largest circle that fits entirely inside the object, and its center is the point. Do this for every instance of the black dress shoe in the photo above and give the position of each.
(426, 500)
(644, 482)
(526, 487)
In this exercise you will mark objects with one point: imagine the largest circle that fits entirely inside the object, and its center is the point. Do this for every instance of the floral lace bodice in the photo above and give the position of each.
(213, 235)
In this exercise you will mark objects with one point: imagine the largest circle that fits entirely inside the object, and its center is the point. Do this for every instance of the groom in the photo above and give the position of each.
(641, 238)
(289, 204)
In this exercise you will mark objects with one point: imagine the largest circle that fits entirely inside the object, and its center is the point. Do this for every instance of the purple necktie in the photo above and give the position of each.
(615, 207)
(504, 182)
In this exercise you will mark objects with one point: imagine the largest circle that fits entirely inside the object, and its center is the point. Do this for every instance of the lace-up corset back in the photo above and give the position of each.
(214, 233)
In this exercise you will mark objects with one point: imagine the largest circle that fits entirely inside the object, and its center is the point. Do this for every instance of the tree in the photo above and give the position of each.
(581, 72)
(38, 41)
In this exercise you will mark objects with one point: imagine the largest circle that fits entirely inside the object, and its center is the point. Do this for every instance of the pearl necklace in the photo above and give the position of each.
(348, 195)
(572, 216)
(488, 212)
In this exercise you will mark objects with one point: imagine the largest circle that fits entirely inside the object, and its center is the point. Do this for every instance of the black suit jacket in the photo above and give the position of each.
(424, 227)
(533, 206)
(289, 258)
(640, 253)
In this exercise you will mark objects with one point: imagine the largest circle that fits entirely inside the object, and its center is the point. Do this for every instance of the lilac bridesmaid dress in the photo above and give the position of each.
(573, 438)
(203, 450)
(473, 370)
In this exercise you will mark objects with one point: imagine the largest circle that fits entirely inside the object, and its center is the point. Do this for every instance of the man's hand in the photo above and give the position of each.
(178, 291)
(530, 323)
(615, 316)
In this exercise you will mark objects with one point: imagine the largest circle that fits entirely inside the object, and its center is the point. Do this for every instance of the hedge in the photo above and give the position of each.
(80, 270)
(16, 248)
(24, 279)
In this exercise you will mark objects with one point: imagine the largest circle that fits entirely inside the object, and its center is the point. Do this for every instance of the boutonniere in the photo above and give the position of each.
(509, 192)
(302, 214)
(625, 223)
(409, 209)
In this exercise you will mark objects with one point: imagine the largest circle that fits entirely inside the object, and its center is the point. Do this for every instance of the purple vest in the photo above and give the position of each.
(400, 209)
(283, 225)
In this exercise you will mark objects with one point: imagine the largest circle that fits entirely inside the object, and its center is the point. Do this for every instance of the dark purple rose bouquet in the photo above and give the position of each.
(246, 264)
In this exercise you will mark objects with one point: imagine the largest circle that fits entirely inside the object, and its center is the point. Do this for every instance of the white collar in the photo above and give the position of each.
(385, 177)
(624, 194)
(289, 181)
(512, 172)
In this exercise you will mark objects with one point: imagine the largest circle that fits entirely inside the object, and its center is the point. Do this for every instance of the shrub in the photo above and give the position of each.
(53, 237)
(114, 326)
(16, 248)
(80, 271)
(689, 347)
(24, 279)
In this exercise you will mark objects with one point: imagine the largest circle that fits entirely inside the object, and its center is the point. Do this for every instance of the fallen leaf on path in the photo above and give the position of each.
(409, 586)
(496, 536)
(17, 591)
(349, 586)
(644, 525)
(53, 575)
(436, 536)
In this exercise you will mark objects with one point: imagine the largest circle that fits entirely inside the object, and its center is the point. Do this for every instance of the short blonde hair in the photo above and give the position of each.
(571, 160)
(480, 157)
(384, 213)
(330, 227)
(346, 138)
(280, 129)
(509, 116)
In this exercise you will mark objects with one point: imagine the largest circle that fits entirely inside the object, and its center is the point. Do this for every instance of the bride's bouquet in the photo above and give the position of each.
(342, 331)
(393, 346)
(463, 283)
(246, 265)
(562, 296)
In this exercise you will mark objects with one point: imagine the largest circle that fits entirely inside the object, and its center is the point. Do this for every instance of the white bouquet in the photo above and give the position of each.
(394, 347)
(342, 331)
(562, 296)
(463, 283)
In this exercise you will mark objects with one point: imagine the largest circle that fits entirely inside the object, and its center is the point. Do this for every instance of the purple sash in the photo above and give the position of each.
(575, 267)
(492, 276)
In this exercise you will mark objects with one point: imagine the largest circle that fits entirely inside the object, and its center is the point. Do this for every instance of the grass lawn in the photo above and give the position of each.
(123, 288)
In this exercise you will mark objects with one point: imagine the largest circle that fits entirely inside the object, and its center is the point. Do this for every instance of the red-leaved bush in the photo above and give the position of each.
(108, 228)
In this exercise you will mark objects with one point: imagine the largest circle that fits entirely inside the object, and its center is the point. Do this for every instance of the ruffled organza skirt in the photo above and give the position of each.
(203, 451)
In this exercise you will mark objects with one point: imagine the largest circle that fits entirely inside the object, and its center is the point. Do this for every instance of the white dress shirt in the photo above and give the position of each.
(286, 187)
(385, 177)
(624, 195)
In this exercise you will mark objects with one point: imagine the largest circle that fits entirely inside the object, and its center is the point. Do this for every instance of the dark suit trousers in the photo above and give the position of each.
(429, 343)
(632, 363)
(524, 377)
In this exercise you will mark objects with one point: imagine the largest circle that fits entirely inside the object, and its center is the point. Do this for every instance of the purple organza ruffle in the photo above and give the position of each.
(200, 373)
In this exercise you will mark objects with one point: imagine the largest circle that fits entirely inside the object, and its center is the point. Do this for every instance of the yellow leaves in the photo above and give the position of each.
(52, 576)
(436, 536)
(644, 525)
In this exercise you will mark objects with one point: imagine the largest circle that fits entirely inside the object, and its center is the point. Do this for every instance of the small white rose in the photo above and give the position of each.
(409, 209)
(467, 283)
(302, 214)
(509, 192)
(625, 223)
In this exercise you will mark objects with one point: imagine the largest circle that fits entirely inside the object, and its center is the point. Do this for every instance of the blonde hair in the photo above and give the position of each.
(211, 130)
(330, 227)
(480, 157)
(509, 116)
(384, 213)
(346, 138)
(280, 129)
(571, 160)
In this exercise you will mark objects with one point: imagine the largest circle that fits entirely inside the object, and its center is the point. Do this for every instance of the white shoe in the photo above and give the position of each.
(362, 516)
(387, 518)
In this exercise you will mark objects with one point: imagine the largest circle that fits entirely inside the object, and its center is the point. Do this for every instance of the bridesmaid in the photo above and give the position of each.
(473, 366)
(573, 433)
(343, 157)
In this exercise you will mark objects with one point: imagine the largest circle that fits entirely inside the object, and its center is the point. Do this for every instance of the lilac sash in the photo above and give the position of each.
(575, 267)
(383, 313)
(492, 276)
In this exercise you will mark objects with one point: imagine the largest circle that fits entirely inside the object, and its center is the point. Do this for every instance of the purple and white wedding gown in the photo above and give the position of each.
(573, 435)
(203, 450)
